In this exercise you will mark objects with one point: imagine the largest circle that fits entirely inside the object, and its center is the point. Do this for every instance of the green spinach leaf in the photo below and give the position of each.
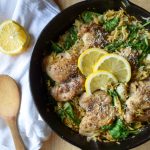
(114, 95)
(71, 38)
(62, 114)
(112, 47)
(119, 131)
(56, 47)
(88, 16)
(67, 112)
(110, 25)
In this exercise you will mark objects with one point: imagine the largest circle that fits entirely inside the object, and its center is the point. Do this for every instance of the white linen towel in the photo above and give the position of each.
(33, 15)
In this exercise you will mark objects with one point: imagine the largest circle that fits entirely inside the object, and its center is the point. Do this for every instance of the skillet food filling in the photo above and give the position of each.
(98, 72)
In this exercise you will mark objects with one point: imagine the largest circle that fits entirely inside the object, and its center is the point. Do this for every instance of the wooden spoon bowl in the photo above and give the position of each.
(9, 107)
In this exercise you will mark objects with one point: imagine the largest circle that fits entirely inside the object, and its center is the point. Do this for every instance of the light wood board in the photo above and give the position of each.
(55, 142)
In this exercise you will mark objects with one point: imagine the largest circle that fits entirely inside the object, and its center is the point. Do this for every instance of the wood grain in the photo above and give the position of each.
(12, 123)
(55, 142)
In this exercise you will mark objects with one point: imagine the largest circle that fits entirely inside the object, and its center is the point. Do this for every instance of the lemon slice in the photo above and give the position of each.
(115, 64)
(88, 59)
(99, 80)
(13, 38)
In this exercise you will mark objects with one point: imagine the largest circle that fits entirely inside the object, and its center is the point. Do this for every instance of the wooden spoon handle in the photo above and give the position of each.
(12, 123)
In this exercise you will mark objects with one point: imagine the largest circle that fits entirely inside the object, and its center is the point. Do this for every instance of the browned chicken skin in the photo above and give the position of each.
(131, 56)
(93, 35)
(99, 112)
(68, 90)
(138, 104)
(69, 81)
(63, 68)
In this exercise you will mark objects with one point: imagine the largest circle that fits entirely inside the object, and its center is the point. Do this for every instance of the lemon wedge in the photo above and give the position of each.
(115, 64)
(88, 59)
(99, 80)
(13, 38)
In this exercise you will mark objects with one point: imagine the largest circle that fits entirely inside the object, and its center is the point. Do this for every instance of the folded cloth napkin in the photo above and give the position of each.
(33, 15)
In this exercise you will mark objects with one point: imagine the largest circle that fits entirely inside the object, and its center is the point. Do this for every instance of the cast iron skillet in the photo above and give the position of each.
(44, 104)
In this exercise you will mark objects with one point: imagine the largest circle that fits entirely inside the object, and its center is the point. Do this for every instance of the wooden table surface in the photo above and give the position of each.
(55, 142)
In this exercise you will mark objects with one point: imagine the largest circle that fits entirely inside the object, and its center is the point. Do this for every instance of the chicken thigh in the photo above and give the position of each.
(99, 112)
(138, 104)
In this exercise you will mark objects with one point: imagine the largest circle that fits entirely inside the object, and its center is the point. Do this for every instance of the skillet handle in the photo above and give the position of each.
(126, 3)
(135, 10)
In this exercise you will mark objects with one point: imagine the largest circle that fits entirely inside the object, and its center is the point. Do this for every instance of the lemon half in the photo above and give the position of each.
(13, 38)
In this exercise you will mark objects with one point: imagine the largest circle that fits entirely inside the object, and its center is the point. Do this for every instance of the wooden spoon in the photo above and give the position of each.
(9, 107)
